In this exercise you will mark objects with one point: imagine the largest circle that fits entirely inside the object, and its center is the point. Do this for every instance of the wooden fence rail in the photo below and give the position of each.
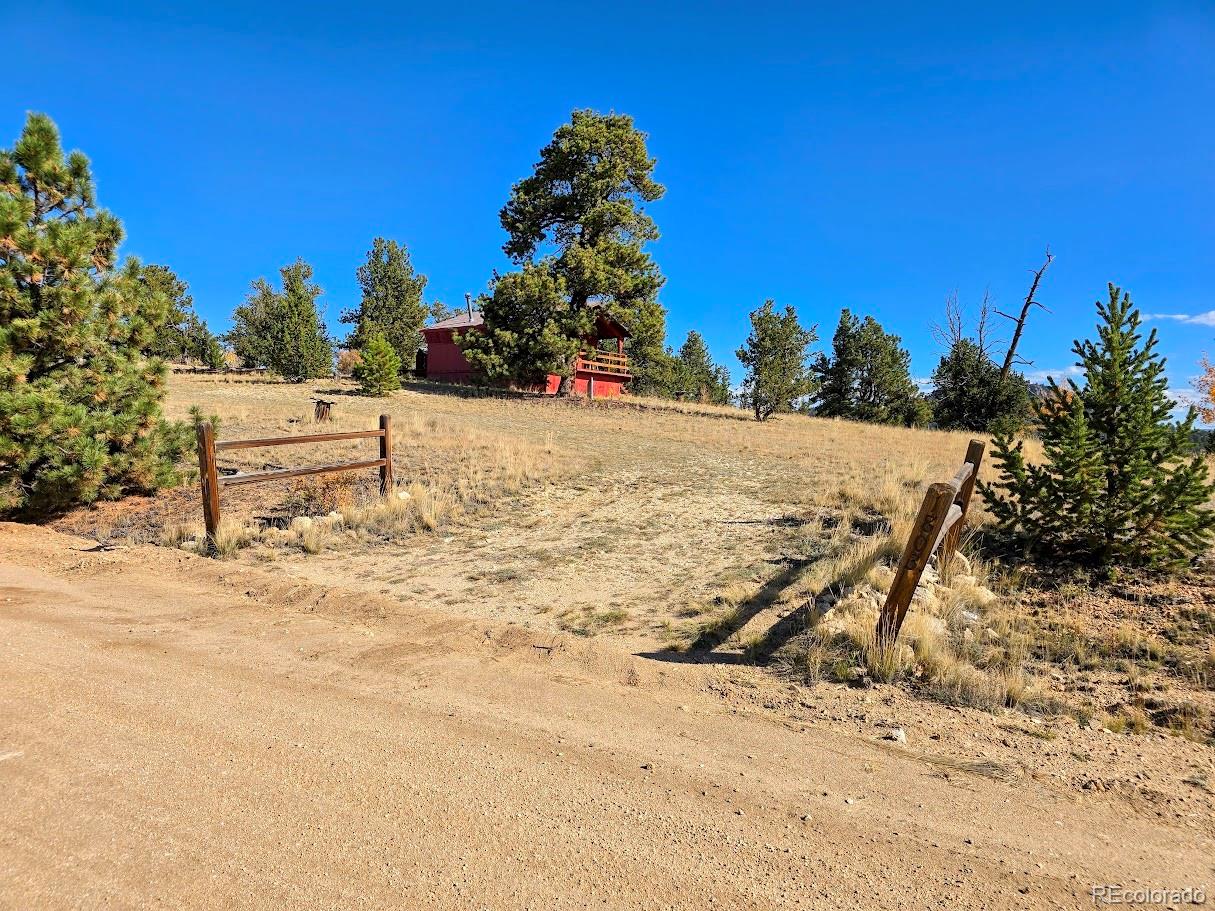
(938, 525)
(211, 482)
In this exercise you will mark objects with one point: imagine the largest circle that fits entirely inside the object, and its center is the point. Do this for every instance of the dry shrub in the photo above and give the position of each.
(314, 537)
(416, 508)
(232, 535)
(321, 494)
(176, 534)
(347, 360)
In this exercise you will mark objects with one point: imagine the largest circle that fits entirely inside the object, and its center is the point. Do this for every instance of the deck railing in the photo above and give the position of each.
(603, 362)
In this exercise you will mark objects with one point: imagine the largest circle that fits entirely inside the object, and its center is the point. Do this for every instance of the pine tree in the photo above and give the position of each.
(1119, 482)
(775, 357)
(282, 330)
(578, 231)
(837, 373)
(80, 403)
(693, 376)
(252, 334)
(183, 336)
(210, 351)
(867, 376)
(378, 371)
(392, 301)
(967, 393)
(546, 334)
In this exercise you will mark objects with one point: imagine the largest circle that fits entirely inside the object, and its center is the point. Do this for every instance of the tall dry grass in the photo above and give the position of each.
(445, 467)
(960, 644)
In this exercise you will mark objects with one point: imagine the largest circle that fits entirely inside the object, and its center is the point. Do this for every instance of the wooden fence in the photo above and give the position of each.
(211, 482)
(938, 525)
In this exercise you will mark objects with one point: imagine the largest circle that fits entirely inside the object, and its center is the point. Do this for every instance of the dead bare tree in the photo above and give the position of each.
(982, 326)
(954, 329)
(1011, 357)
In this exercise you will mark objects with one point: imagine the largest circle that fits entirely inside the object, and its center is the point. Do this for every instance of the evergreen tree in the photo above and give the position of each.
(545, 336)
(867, 377)
(578, 229)
(694, 376)
(392, 301)
(251, 337)
(80, 401)
(378, 371)
(967, 393)
(775, 356)
(183, 336)
(282, 330)
(211, 352)
(1119, 482)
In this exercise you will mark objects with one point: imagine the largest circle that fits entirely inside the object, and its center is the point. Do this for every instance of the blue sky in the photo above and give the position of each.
(871, 156)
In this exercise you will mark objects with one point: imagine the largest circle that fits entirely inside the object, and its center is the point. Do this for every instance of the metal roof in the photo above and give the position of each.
(459, 321)
(462, 320)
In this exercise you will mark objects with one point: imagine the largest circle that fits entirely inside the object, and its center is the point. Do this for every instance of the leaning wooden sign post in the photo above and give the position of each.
(938, 525)
(211, 482)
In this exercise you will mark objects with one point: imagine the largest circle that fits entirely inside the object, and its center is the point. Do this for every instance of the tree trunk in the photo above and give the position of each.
(566, 389)
(1011, 356)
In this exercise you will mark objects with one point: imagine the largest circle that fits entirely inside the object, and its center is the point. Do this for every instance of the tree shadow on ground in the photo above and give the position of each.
(468, 390)
(704, 649)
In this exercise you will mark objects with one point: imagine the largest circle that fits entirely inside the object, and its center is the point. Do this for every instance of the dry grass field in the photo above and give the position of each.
(672, 600)
(685, 532)
(641, 519)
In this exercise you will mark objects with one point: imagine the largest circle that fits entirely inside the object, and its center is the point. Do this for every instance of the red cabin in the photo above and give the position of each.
(597, 373)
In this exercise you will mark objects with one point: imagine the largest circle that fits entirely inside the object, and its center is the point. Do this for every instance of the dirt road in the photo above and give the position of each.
(181, 733)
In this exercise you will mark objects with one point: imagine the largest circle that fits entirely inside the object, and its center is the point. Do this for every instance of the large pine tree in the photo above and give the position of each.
(392, 301)
(968, 394)
(694, 375)
(1119, 482)
(578, 231)
(80, 401)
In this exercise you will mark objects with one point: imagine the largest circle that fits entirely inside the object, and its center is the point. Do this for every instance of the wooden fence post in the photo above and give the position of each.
(386, 479)
(924, 536)
(208, 480)
(974, 456)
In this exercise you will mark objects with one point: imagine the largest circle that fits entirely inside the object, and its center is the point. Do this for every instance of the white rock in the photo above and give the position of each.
(403, 495)
(935, 625)
(898, 735)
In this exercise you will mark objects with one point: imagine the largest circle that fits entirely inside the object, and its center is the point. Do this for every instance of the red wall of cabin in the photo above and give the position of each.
(444, 359)
(446, 362)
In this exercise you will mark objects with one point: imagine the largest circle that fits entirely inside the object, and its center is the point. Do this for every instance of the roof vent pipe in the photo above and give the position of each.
(468, 304)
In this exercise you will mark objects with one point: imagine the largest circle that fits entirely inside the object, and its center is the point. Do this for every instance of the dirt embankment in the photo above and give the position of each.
(178, 732)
